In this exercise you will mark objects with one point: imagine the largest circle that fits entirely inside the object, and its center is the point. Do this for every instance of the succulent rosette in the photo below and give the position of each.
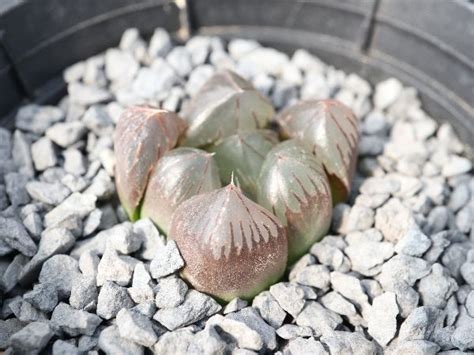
(277, 200)
(330, 128)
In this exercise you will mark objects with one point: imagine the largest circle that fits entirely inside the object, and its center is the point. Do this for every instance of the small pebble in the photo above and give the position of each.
(235, 305)
(196, 306)
(135, 327)
(167, 260)
(112, 298)
(32, 338)
(170, 292)
(382, 320)
(65, 134)
(321, 320)
(74, 322)
(111, 342)
(269, 309)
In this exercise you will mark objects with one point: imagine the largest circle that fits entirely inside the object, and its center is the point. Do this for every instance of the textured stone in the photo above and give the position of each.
(114, 267)
(170, 292)
(349, 343)
(420, 324)
(338, 304)
(74, 162)
(417, 347)
(63, 280)
(122, 238)
(321, 320)
(10, 276)
(382, 319)
(152, 240)
(314, 276)
(53, 241)
(351, 288)
(84, 294)
(21, 153)
(291, 331)
(331, 256)
(306, 346)
(402, 268)
(136, 327)
(414, 243)
(43, 154)
(436, 288)
(112, 298)
(110, 342)
(251, 318)
(366, 252)
(15, 186)
(244, 336)
(43, 297)
(7, 329)
(269, 309)
(36, 119)
(289, 296)
(195, 307)
(33, 224)
(235, 305)
(76, 204)
(86, 95)
(74, 322)
(167, 260)
(394, 220)
(32, 338)
(65, 134)
(61, 347)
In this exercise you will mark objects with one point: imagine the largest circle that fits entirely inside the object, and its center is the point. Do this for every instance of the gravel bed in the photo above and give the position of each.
(396, 275)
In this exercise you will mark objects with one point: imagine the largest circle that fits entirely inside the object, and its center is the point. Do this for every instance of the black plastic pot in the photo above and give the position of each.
(428, 44)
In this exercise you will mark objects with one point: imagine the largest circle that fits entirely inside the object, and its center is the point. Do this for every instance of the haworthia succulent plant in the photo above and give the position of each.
(231, 246)
(330, 128)
(293, 185)
(225, 104)
(179, 175)
(142, 136)
(242, 154)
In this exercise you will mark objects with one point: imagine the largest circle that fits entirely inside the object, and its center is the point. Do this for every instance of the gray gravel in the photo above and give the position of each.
(395, 275)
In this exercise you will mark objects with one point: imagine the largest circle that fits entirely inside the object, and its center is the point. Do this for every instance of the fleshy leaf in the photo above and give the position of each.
(231, 246)
(142, 136)
(243, 154)
(226, 104)
(294, 187)
(330, 128)
(179, 175)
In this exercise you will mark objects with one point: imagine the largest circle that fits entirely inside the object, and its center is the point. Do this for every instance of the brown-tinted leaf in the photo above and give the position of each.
(226, 104)
(180, 174)
(294, 187)
(142, 136)
(231, 246)
(330, 128)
